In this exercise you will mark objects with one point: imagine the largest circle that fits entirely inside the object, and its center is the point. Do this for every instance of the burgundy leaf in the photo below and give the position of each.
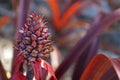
(18, 62)
(18, 76)
(37, 69)
(110, 75)
(2, 73)
(21, 19)
(116, 65)
(22, 15)
(47, 67)
(84, 59)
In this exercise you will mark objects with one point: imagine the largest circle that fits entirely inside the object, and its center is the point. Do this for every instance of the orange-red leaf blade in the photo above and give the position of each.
(55, 9)
(4, 20)
(98, 66)
(67, 15)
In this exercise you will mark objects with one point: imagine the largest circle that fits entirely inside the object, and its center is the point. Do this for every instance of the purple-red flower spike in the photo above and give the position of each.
(35, 40)
(34, 44)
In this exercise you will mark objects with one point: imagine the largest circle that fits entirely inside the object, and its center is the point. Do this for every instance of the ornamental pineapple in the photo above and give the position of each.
(34, 40)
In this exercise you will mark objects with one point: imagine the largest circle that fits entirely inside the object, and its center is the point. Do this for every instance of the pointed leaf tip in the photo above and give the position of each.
(47, 67)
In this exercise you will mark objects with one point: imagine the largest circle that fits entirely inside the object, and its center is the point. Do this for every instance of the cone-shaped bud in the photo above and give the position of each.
(35, 39)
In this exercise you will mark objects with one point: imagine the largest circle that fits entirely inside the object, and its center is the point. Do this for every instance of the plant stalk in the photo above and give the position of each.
(23, 9)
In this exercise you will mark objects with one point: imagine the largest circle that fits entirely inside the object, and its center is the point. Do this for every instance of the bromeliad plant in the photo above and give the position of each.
(34, 44)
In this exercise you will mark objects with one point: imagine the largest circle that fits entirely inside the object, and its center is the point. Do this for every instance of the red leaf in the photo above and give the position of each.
(99, 65)
(47, 67)
(18, 62)
(116, 64)
(85, 58)
(37, 69)
(67, 15)
(4, 20)
(18, 76)
(55, 9)
(2, 73)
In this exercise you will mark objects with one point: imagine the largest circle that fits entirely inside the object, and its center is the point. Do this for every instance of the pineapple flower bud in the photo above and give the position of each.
(35, 40)
(34, 44)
